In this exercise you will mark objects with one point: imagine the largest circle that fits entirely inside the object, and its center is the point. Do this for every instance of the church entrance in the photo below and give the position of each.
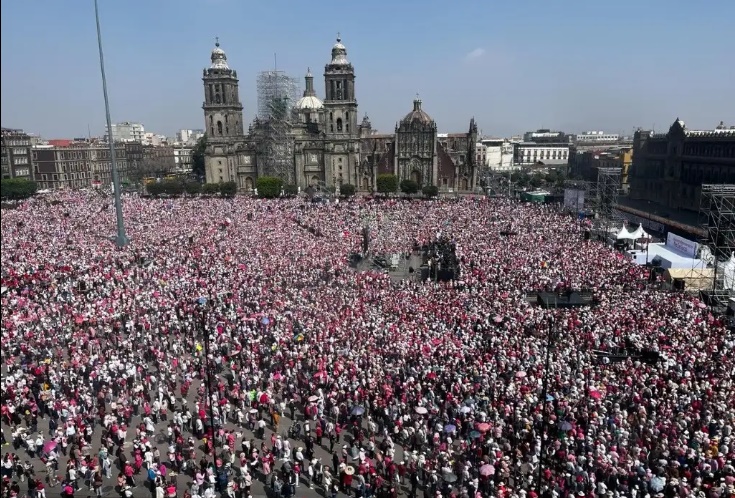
(416, 177)
(249, 184)
(465, 184)
(365, 183)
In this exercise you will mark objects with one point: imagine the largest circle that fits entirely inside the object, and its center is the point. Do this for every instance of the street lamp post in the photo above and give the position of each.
(544, 393)
(121, 239)
(203, 324)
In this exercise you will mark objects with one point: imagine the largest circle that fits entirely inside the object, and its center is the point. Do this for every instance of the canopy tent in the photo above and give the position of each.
(624, 234)
(694, 279)
(640, 233)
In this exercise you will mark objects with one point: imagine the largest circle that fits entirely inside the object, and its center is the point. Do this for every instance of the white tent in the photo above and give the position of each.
(624, 234)
(639, 233)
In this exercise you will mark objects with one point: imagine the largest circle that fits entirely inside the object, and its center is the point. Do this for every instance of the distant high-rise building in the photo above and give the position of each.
(190, 137)
(126, 132)
(17, 154)
(546, 136)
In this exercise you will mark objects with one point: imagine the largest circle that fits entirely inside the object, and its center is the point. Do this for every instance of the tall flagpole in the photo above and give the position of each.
(121, 239)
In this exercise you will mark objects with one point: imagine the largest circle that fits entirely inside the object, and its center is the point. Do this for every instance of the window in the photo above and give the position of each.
(219, 127)
(339, 125)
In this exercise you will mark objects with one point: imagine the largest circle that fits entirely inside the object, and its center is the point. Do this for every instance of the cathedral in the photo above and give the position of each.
(322, 143)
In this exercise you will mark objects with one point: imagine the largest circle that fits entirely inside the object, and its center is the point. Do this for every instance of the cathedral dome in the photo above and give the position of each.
(339, 53)
(309, 102)
(218, 58)
(418, 115)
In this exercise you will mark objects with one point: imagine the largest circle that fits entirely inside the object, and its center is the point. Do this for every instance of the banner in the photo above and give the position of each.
(680, 244)
(574, 199)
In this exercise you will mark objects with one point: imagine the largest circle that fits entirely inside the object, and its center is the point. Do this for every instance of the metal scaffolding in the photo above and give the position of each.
(590, 193)
(717, 214)
(277, 94)
(608, 188)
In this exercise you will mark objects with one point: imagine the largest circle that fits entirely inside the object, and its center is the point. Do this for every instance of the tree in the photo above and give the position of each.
(17, 188)
(228, 189)
(210, 189)
(290, 190)
(430, 191)
(387, 183)
(347, 190)
(154, 189)
(409, 187)
(197, 157)
(174, 188)
(269, 187)
(193, 188)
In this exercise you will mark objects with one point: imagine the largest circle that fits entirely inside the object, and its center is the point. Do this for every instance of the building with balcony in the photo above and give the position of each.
(669, 168)
(126, 132)
(17, 154)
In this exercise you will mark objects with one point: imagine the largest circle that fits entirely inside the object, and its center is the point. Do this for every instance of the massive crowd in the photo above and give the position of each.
(434, 388)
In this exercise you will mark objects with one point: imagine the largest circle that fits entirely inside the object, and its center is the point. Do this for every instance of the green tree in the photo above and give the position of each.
(269, 187)
(155, 189)
(210, 189)
(193, 188)
(387, 183)
(228, 189)
(174, 188)
(347, 190)
(197, 157)
(17, 188)
(290, 190)
(430, 191)
(409, 187)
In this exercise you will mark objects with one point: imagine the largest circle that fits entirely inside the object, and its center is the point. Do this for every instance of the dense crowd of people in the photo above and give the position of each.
(230, 343)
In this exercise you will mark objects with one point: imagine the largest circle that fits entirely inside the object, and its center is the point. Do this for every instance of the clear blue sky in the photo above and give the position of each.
(513, 65)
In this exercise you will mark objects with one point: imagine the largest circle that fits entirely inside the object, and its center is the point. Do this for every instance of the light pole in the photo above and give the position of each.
(204, 304)
(544, 392)
(121, 239)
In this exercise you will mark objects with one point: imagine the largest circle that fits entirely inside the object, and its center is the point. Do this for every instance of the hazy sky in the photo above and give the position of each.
(513, 65)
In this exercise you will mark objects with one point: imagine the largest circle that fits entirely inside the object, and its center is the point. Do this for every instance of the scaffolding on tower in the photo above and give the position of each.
(608, 188)
(277, 94)
(717, 214)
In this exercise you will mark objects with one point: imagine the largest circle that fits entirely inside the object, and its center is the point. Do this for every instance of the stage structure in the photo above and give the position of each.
(608, 188)
(717, 214)
(277, 94)
(586, 190)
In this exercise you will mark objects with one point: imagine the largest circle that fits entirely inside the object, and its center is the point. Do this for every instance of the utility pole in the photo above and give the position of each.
(121, 239)
(544, 393)
(204, 325)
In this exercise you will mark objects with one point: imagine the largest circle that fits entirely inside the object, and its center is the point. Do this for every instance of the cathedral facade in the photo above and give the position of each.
(322, 143)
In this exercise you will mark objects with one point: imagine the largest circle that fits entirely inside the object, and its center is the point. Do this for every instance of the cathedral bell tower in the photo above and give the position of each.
(222, 107)
(340, 104)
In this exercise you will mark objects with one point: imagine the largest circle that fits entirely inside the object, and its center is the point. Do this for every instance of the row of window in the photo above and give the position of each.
(20, 160)
(17, 143)
(709, 150)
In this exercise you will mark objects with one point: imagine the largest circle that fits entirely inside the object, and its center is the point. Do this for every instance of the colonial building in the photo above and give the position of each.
(16, 156)
(69, 164)
(670, 168)
(322, 142)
